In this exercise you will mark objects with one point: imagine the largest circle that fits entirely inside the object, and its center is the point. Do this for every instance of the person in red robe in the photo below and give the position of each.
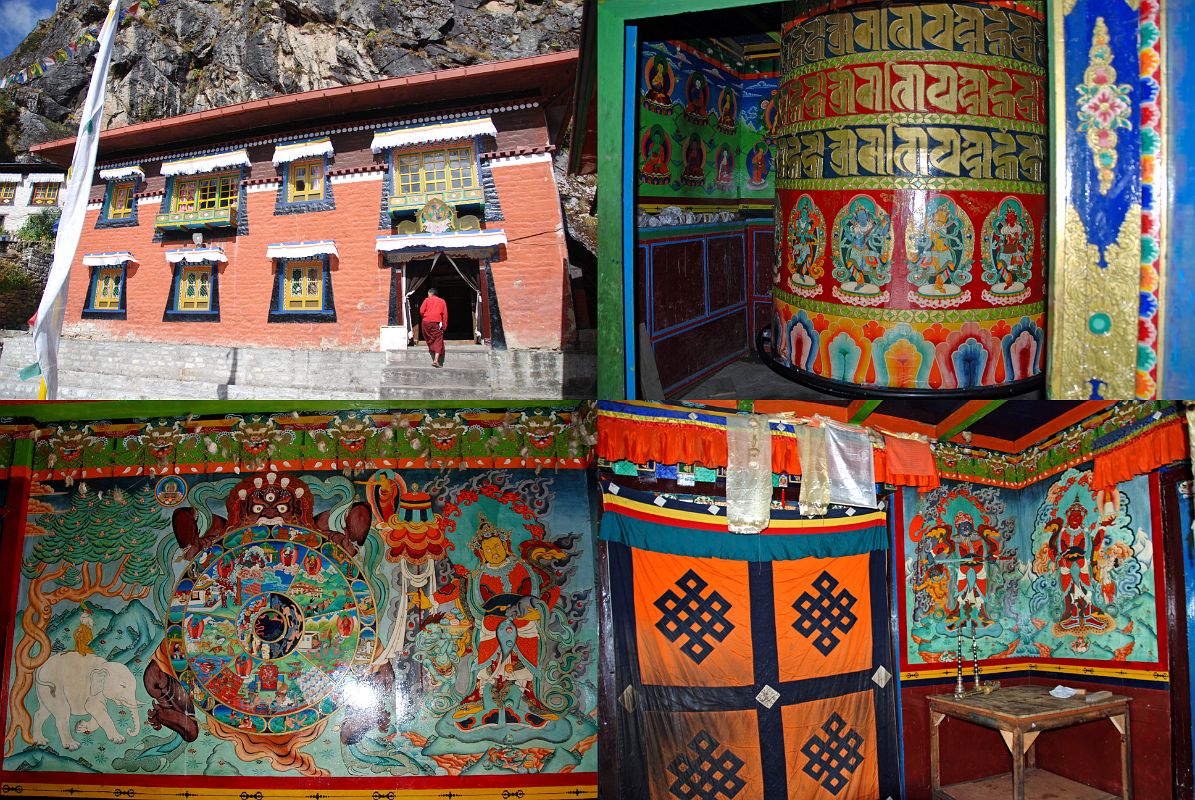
(434, 315)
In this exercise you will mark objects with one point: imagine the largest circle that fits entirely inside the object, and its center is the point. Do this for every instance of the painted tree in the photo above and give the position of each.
(102, 545)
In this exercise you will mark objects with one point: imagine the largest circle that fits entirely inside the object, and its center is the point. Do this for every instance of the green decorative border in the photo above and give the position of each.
(1072, 446)
(917, 315)
(547, 435)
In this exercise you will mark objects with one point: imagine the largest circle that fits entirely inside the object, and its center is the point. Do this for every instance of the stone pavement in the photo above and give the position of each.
(749, 379)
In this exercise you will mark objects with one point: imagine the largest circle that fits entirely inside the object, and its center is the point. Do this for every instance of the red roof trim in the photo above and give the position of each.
(548, 74)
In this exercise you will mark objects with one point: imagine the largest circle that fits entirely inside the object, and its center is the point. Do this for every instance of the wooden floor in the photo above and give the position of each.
(1039, 785)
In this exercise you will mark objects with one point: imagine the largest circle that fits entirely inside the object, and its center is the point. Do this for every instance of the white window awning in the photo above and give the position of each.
(285, 153)
(107, 259)
(426, 134)
(46, 177)
(196, 255)
(211, 163)
(302, 249)
(120, 173)
(10, 177)
(479, 244)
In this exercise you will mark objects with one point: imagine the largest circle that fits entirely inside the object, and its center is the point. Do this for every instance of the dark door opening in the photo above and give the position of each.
(453, 290)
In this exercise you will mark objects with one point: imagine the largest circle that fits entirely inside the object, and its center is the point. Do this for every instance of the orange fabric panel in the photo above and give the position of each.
(785, 458)
(640, 442)
(829, 633)
(1157, 448)
(830, 748)
(689, 748)
(692, 620)
(910, 463)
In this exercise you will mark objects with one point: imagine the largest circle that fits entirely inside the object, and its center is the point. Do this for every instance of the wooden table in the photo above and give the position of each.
(1020, 713)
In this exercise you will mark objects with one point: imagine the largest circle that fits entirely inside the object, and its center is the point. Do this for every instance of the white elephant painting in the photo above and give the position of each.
(72, 684)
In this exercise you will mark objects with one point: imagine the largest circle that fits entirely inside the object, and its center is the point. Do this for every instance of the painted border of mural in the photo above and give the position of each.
(1109, 151)
(535, 437)
(1149, 673)
(1077, 444)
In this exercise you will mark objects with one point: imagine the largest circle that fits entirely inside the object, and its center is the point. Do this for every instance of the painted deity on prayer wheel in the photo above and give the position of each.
(911, 197)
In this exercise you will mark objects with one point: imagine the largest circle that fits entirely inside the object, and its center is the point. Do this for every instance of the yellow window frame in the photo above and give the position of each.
(109, 284)
(206, 192)
(120, 206)
(306, 181)
(194, 289)
(8, 194)
(45, 194)
(304, 286)
(435, 170)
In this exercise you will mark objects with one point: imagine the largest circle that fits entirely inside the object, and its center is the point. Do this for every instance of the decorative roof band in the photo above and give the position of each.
(302, 249)
(196, 255)
(285, 153)
(121, 173)
(428, 134)
(195, 166)
(107, 259)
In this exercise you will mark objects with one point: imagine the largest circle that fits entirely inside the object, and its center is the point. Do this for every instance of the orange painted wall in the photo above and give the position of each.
(532, 286)
(360, 287)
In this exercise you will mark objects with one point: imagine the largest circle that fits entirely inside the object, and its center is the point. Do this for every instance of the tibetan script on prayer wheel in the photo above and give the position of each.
(911, 156)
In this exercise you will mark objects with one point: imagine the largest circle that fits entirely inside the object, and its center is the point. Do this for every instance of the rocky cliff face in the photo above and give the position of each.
(191, 55)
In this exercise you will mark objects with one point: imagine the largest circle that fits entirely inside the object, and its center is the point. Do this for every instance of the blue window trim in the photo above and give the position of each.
(172, 314)
(128, 222)
(278, 312)
(103, 313)
(284, 206)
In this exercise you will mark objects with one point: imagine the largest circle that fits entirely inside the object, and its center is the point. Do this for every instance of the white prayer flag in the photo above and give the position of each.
(48, 327)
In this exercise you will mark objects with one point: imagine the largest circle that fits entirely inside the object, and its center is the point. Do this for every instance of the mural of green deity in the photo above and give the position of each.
(862, 251)
(939, 244)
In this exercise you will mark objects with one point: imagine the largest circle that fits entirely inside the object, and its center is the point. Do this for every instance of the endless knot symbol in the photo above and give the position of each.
(834, 757)
(694, 616)
(825, 613)
(706, 775)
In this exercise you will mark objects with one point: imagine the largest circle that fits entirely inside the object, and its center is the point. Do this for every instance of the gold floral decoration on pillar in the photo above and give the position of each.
(1104, 105)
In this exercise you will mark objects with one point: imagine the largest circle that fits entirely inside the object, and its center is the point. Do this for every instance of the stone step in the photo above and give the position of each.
(439, 393)
(238, 391)
(429, 376)
(416, 359)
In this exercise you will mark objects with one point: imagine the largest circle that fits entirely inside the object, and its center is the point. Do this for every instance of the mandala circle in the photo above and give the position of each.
(270, 626)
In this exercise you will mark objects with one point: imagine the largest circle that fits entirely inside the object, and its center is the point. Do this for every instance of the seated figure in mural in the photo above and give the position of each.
(1068, 548)
(507, 640)
(694, 174)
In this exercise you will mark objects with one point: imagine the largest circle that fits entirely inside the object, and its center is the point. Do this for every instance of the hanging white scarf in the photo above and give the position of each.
(748, 473)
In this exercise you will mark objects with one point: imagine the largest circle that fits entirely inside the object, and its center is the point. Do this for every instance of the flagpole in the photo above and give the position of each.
(47, 329)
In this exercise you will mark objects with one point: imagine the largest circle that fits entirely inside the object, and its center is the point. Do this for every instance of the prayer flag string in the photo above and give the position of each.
(38, 68)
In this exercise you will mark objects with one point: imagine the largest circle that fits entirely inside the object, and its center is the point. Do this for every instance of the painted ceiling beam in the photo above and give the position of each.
(862, 409)
(966, 416)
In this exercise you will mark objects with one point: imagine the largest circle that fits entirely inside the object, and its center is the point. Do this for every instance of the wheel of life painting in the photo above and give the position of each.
(269, 626)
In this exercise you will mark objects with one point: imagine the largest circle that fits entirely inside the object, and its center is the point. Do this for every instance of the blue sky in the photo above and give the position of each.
(17, 18)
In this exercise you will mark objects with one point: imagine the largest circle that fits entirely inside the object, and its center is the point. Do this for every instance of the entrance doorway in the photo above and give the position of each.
(459, 287)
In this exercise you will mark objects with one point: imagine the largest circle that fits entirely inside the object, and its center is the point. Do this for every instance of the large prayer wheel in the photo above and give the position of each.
(911, 197)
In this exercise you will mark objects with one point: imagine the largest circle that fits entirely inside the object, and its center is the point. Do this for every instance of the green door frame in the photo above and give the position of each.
(618, 26)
